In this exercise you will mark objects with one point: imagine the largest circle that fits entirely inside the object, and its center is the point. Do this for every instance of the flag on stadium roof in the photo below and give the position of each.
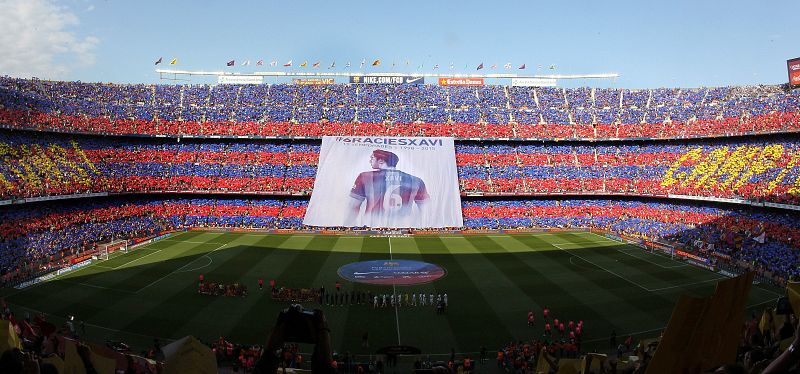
(231, 63)
(159, 60)
(364, 61)
(435, 66)
(174, 61)
(452, 65)
(273, 63)
(287, 64)
(316, 64)
(304, 64)
(333, 65)
(246, 63)
(494, 66)
(507, 65)
(552, 67)
(522, 66)
(480, 66)
(260, 62)
(348, 64)
(376, 62)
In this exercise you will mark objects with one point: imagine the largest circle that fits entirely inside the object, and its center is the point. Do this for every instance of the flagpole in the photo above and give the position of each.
(322, 73)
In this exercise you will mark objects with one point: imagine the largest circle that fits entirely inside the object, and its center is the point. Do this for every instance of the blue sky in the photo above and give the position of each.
(651, 44)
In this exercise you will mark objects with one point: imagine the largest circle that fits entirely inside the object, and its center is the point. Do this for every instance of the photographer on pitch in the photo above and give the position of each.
(298, 325)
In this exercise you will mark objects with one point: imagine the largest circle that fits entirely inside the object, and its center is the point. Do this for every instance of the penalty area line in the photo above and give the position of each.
(178, 270)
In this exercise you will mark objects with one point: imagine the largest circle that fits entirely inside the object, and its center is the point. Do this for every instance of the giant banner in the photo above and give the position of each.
(392, 182)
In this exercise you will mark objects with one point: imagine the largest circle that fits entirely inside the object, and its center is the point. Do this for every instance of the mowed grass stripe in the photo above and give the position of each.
(404, 246)
(509, 244)
(327, 276)
(351, 244)
(420, 326)
(581, 291)
(380, 324)
(297, 242)
(471, 317)
(458, 245)
(348, 321)
(256, 321)
(308, 262)
(513, 302)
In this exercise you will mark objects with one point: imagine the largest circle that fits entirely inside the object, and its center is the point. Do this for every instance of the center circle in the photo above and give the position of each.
(397, 272)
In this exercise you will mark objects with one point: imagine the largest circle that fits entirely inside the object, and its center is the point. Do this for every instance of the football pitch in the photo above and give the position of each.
(491, 281)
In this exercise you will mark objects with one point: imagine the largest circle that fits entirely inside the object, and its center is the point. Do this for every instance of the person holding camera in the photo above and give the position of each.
(298, 325)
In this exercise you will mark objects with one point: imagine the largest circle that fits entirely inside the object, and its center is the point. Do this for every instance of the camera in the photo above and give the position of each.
(299, 323)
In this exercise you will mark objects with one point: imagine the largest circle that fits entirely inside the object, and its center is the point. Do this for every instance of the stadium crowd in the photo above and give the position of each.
(408, 110)
(43, 165)
(36, 238)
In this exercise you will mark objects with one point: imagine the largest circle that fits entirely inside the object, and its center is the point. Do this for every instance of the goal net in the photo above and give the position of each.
(106, 249)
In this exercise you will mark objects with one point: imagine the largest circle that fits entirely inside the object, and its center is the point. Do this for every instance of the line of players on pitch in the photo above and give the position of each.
(405, 299)
(440, 301)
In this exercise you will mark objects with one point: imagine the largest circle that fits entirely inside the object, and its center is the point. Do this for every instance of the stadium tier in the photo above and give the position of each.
(756, 169)
(486, 112)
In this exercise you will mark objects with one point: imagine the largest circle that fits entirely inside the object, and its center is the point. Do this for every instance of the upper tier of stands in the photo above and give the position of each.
(487, 112)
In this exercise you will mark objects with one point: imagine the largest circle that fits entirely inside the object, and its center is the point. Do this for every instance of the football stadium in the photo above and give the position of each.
(399, 215)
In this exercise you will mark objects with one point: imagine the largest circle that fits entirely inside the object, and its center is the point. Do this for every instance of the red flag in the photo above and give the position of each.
(287, 64)
(480, 66)
(27, 330)
(231, 63)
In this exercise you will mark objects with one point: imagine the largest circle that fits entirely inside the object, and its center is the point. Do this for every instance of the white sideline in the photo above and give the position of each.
(632, 282)
(654, 263)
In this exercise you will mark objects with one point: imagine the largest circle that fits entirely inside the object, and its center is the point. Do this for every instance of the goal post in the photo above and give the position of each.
(106, 249)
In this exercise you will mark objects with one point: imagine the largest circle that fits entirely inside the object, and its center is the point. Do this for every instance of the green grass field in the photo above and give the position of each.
(491, 281)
